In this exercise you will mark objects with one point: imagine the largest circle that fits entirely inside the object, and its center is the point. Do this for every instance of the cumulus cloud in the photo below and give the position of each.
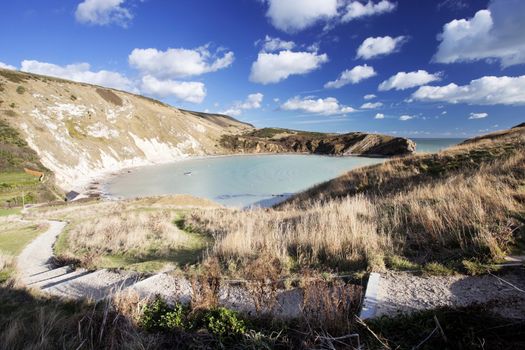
(103, 12)
(494, 33)
(369, 97)
(7, 66)
(404, 80)
(295, 15)
(253, 101)
(351, 76)
(270, 44)
(371, 105)
(275, 67)
(406, 117)
(487, 90)
(379, 116)
(379, 46)
(176, 63)
(478, 115)
(356, 9)
(326, 106)
(188, 91)
(80, 72)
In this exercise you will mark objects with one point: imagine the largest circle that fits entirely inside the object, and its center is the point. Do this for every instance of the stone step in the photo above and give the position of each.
(37, 279)
(49, 284)
(93, 285)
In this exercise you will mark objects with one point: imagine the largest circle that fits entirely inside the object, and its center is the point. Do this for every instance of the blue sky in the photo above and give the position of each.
(447, 68)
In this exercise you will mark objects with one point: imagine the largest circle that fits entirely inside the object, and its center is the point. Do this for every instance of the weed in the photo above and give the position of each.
(437, 269)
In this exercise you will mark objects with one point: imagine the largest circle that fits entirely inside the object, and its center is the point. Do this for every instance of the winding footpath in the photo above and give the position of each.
(36, 270)
(395, 291)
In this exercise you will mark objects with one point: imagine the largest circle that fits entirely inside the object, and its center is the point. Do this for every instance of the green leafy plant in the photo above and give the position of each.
(224, 323)
(159, 316)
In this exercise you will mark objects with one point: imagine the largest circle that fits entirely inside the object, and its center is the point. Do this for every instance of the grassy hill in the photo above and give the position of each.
(80, 131)
(17, 187)
(461, 208)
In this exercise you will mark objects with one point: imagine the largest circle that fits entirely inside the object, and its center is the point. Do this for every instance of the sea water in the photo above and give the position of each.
(246, 180)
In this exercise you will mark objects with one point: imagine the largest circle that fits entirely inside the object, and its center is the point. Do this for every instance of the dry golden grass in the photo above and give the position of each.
(402, 174)
(121, 232)
(137, 234)
(457, 214)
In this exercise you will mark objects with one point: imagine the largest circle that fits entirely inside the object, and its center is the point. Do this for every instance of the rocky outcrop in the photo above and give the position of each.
(326, 144)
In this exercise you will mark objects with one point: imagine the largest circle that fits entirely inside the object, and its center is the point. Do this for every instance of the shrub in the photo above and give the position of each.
(159, 316)
(224, 323)
(20, 89)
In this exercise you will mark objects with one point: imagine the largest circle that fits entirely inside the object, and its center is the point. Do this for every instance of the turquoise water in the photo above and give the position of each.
(237, 181)
(241, 181)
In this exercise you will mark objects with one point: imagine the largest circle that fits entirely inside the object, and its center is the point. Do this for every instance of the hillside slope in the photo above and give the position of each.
(399, 175)
(80, 131)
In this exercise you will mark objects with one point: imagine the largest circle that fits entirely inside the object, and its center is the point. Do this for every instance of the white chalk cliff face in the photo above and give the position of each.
(81, 131)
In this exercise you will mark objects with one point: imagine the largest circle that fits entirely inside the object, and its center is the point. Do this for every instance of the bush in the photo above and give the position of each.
(20, 89)
(159, 316)
(224, 323)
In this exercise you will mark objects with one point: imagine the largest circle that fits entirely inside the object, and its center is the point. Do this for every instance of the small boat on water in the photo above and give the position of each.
(188, 173)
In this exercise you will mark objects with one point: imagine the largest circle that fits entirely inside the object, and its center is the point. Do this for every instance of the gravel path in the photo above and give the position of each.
(399, 292)
(34, 259)
(35, 271)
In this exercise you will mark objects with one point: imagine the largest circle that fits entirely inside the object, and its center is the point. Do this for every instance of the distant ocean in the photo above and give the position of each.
(433, 145)
(240, 181)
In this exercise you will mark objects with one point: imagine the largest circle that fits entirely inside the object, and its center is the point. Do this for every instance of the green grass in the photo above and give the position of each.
(399, 263)
(437, 269)
(9, 211)
(15, 185)
(13, 241)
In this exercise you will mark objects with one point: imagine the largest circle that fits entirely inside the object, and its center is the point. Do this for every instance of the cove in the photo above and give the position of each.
(244, 180)
(234, 181)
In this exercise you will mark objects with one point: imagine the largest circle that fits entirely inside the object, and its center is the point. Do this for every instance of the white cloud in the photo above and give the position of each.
(295, 15)
(379, 116)
(406, 117)
(7, 66)
(369, 97)
(272, 68)
(176, 63)
(103, 12)
(379, 46)
(351, 76)
(478, 115)
(253, 101)
(79, 72)
(327, 106)
(194, 92)
(494, 33)
(275, 44)
(404, 80)
(371, 105)
(356, 9)
(487, 90)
